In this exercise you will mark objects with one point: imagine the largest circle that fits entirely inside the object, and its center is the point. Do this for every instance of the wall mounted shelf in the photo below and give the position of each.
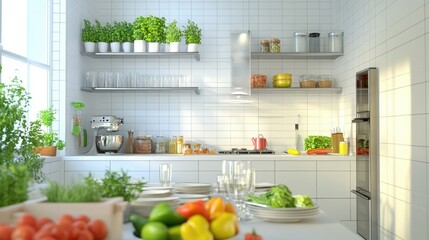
(295, 55)
(96, 89)
(196, 55)
(298, 89)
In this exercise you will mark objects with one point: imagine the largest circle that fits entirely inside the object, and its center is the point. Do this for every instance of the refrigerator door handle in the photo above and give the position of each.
(359, 120)
(361, 195)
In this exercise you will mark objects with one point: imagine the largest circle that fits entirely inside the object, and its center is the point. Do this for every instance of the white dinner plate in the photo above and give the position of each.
(156, 193)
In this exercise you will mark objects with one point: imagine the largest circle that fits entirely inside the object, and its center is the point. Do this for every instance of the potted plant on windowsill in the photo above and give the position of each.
(127, 36)
(89, 36)
(154, 28)
(17, 137)
(115, 36)
(139, 34)
(103, 34)
(173, 35)
(193, 36)
(49, 141)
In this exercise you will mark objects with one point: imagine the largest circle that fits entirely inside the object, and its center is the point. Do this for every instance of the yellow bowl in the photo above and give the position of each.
(282, 83)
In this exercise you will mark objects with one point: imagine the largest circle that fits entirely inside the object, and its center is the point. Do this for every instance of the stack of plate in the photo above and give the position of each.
(144, 206)
(155, 193)
(183, 198)
(263, 187)
(270, 214)
(193, 188)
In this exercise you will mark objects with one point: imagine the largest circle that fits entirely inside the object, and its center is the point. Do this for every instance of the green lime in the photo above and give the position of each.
(155, 231)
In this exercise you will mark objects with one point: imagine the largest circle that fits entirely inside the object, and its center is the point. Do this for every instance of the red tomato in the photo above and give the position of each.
(60, 232)
(98, 229)
(81, 225)
(252, 236)
(84, 235)
(42, 221)
(5, 232)
(82, 217)
(23, 232)
(42, 234)
(27, 219)
(66, 218)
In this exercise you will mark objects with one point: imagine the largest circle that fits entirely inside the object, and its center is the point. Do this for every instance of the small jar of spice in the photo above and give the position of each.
(264, 46)
(275, 45)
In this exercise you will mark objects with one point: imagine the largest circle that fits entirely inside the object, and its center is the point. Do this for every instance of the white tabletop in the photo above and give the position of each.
(321, 228)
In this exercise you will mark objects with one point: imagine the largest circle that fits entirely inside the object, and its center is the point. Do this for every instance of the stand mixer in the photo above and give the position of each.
(106, 143)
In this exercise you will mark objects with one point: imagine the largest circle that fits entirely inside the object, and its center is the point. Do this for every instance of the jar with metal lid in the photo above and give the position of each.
(264, 46)
(335, 42)
(301, 42)
(275, 45)
(160, 144)
(143, 145)
(172, 145)
(314, 42)
(179, 145)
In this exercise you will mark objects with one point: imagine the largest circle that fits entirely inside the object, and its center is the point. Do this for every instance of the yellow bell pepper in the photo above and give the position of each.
(215, 206)
(196, 228)
(225, 226)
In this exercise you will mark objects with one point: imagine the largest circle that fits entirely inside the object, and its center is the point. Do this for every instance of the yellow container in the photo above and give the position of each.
(282, 80)
(344, 148)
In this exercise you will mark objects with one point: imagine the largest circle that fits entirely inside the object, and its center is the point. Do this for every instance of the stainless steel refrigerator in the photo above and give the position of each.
(367, 162)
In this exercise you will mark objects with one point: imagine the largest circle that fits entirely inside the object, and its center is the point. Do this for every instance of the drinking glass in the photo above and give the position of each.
(165, 172)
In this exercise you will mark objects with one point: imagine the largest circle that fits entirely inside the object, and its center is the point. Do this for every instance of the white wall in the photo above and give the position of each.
(201, 118)
(392, 36)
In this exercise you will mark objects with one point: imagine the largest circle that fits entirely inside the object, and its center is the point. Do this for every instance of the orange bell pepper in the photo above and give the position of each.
(215, 206)
(190, 209)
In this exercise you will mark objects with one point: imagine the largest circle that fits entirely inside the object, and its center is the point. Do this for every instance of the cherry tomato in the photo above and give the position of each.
(23, 232)
(98, 229)
(5, 232)
(27, 219)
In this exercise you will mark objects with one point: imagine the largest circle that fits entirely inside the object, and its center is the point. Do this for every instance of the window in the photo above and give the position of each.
(26, 42)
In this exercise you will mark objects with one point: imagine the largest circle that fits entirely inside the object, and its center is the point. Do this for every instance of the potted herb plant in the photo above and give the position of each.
(89, 36)
(17, 137)
(154, 28)
(192, 35)
(50, 141)
(127, 36)
(173, 36)
(139, 34)
(115, 36)
(103, 34)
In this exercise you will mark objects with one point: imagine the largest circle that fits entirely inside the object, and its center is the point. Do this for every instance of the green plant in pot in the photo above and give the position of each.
(49, 139)
(103, 35)
(139, 29)
(116, 36)
(192, 35)
(154, 31)
(89, 36)
(127, 36)
(18, 136)
(173, 35)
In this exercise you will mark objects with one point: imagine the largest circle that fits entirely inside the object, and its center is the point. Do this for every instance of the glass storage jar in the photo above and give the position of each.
(160, 144)
(301, 42)
(307, 81)
(179, 145)
(314, 42)
(172, 145)
(264, 46)
(143, 145)
(275, 45)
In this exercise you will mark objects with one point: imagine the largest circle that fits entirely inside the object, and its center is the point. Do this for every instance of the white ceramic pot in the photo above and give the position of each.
(115, 46)
(192, 47)
(139, 46)
(103, 47)
(153, 47)
(174, 47)
(127, 46)
(89, 46)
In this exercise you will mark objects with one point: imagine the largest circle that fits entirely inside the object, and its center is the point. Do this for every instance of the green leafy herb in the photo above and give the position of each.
(278, 197)
(116, 184)
(88, 32)
(45, 118)
(303, 201)
(312, 142)
(192, 33)
(103, 32)
(173, 33)
(14, 180)
(80, 192)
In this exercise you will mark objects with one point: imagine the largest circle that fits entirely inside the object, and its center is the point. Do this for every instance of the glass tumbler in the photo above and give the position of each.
(165, 173)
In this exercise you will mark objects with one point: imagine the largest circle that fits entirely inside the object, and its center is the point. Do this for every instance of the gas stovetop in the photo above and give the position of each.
(245, 151)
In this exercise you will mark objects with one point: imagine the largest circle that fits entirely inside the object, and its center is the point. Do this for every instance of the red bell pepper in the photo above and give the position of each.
(190, 209)
(252, 236)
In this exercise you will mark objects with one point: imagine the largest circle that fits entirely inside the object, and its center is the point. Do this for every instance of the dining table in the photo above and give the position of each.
(320, 227)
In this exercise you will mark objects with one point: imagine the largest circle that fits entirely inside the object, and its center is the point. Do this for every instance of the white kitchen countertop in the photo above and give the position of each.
(322, 227)
(277, 156)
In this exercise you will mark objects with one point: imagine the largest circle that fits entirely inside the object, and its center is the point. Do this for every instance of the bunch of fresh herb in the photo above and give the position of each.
(88, 32)
(116, 184)
(312, 142)
(80, 192)
(139, 28)
(192, 33)
(103, 32)
(49, 138)
(154, 29)
(128, 32)
(14, 180)
(173, 33)
(116, 31)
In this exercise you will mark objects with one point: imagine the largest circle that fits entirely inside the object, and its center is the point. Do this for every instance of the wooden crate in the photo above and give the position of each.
(111, 211)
